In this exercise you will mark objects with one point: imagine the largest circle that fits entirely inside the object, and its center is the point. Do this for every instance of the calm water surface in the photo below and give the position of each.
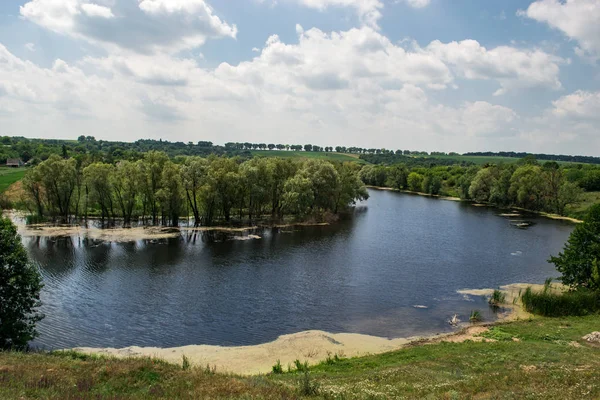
(363, 275)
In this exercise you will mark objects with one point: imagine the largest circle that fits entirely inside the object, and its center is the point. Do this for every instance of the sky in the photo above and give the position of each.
(428, 75)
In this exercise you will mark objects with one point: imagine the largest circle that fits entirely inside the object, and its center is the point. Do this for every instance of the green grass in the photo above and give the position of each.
(308, 154)
(481, 160)
(580, 209)
(540, 358)
(8, 176)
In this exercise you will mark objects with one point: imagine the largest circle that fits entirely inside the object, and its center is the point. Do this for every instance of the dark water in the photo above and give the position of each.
(362, 275)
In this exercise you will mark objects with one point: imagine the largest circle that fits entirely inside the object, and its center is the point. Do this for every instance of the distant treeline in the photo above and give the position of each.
(34, 151)
(210, 190)
(546, 157)
(528, 184)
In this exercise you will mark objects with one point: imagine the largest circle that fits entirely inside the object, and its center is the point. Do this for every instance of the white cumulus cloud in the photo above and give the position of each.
(577, 19)
(146, 26)
(513, 68)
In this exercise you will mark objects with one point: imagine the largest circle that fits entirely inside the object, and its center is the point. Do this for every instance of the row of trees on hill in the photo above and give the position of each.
(211, 189)
(544, 187)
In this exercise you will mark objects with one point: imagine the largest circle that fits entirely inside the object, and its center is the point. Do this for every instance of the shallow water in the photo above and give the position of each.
(363, 275)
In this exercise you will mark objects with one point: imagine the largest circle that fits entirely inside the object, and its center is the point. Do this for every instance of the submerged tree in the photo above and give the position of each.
(20, 285)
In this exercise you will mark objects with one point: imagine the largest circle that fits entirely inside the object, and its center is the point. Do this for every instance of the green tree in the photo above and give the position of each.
(578, 262)
(397, 177)
(482, 184)
(415, 181)
(20, 285)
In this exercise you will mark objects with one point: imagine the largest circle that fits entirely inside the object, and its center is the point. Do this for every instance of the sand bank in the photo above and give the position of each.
(315, 346)
(311, 346)
(435, 196)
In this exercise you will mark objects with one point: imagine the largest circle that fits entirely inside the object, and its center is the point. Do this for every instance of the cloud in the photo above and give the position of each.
(513, 68)
(581, 105)
(144, 26)
(577, 19)
(94, 10)
(416, 3)
(30, 47)
(368, 11)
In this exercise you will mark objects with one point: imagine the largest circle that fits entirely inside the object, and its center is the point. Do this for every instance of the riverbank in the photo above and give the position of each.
(475, 204)
(537, 358)
(314, 347)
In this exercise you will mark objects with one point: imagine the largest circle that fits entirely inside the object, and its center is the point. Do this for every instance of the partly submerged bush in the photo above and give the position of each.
(498, 297)
(475, 316)
(549, 304)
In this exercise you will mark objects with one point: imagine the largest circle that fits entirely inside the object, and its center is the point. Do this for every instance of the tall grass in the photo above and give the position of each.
(549, 304)
(498, 297)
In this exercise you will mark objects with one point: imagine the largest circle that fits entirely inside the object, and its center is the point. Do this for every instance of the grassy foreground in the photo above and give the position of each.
(540, 358)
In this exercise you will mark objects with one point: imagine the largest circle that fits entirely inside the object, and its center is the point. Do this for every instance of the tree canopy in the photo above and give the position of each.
(578, 262)
(20, 285)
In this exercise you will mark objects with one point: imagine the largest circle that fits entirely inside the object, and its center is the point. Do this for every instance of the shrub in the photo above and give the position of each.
(497, 298)
(306, 386)
(475, 316)
(277, 368)
(185, 365)
(546, 303)
(301, 367)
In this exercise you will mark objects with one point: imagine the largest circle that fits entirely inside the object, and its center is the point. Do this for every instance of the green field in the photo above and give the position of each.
(307, 154)
(8, 176)
(538, 358)
(579, 210)
(481, 160)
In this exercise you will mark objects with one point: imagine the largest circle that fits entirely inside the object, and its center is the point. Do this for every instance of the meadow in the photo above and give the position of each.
(8, 176)
(308, 154)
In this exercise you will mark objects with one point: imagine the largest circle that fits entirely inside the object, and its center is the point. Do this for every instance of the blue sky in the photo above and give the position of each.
(451, 75)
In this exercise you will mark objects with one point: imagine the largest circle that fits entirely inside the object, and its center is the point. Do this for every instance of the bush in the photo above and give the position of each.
(497, 298)
(577, 303)
(475, 316)
(277, 368)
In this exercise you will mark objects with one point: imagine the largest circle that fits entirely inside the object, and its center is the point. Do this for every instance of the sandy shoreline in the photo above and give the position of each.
(315, 346)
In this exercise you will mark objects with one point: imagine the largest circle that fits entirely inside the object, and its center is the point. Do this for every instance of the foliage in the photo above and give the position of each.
(498, 334)
(579, 259)
(475, 316)
(277, 368)
(551, 304)
(20, 285)
(209, 189)
(497, 298)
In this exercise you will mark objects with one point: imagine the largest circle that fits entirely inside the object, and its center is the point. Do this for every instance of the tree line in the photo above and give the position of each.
(539, 187)
(214, 189)
(541, 156)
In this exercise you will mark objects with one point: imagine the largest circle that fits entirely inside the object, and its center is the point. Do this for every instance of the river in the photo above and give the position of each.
(364, 274)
